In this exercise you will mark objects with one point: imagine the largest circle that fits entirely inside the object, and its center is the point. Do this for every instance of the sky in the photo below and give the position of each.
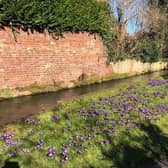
(132, 27)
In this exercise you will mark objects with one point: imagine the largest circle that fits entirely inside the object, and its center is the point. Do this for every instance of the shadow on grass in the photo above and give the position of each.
(152, 151)
(11, 165)
(164, 77)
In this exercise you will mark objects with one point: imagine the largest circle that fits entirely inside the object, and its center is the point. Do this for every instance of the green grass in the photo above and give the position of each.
(96, 79)
(6, 93)
(56, 86)
(36, 88)
(142, 142)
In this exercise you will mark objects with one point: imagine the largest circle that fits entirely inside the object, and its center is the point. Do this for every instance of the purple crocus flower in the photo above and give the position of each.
(1, 137)
(14, 153)
(51, 152)
(28, 120)
(66, 158)
(55, 117)
(10, 142)
(8, 136)
(74, 143)
(65, 154)
(156, 93)
(39, 144)
(113, 126)
(80, 152)
(65, 151)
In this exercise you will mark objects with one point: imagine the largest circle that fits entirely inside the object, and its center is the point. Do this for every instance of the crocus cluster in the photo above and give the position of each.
(10, 142)
(7, 136)
(55, 117)
(158, 82)
(65, 154)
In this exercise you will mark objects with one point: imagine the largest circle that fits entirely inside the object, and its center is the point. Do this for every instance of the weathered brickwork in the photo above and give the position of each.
(40, 58)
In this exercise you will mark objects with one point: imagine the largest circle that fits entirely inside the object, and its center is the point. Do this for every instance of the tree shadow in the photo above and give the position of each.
(9, 164)
(164, 77)
(151, 153)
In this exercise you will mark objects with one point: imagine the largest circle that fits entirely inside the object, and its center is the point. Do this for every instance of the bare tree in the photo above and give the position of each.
(125, 11)
(150, 22)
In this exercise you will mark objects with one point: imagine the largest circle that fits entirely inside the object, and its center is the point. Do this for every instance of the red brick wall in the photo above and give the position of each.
(42, 59)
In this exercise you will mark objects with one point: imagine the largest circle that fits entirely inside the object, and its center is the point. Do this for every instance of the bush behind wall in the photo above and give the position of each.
(58, 16)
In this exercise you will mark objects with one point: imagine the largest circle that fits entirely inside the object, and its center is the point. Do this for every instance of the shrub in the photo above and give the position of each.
(148, 51)
(58, 16)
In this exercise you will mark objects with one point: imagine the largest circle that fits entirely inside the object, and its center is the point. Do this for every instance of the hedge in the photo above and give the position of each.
(58, 16)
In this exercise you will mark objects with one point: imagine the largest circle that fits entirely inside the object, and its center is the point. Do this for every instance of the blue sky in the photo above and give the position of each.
(132, 27)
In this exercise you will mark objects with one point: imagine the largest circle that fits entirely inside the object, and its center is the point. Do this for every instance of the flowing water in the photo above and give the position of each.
(21, 107)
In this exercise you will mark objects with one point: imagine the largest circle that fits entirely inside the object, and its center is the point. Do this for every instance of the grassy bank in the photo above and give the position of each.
(56, 86)
(35, 88)
(120, 128)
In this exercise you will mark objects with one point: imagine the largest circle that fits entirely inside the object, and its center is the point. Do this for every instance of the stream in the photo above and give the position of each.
(21, 107)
